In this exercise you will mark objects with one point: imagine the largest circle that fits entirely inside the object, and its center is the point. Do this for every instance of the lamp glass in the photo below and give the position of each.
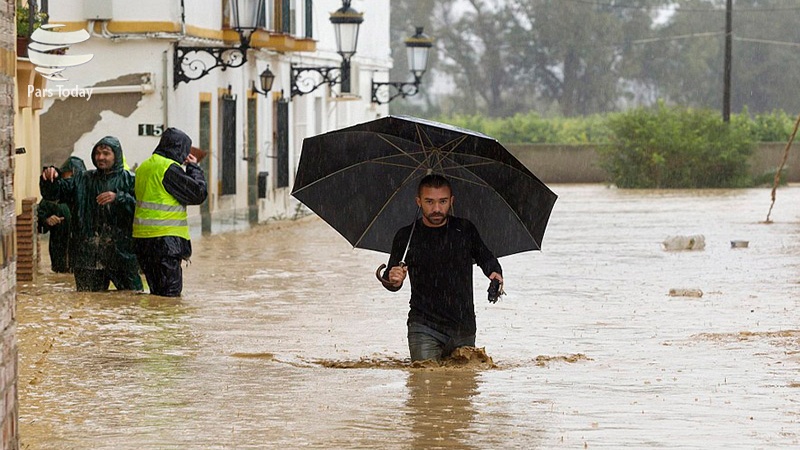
(346, 39)
(346, 22)
(266, 78)
(417, 60)
(418, 47)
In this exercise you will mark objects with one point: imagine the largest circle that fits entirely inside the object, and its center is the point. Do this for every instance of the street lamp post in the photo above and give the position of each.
(346, 23)
(265, 79)
(418, 48)
(192, 63)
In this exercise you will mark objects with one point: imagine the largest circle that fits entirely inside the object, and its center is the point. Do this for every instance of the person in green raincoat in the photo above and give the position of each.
(102, 204)
(55, 218)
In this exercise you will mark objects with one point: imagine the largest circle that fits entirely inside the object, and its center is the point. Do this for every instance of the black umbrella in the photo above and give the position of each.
(362, 180)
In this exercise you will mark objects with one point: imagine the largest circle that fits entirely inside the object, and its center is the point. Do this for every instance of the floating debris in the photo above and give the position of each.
(265, 355)
(543, 360)
(685, 293)
(691, 242)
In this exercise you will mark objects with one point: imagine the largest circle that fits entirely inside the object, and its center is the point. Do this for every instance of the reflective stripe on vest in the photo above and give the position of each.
(157, 213)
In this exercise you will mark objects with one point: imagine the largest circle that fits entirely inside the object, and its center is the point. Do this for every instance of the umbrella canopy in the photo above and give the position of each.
(362, 180)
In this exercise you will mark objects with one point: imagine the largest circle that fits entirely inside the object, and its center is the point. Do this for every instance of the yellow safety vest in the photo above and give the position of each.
(158, 213)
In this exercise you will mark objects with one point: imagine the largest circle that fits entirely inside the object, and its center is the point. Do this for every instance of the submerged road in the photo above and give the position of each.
(284, 339)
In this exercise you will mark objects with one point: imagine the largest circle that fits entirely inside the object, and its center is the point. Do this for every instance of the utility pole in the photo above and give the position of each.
(726, 94)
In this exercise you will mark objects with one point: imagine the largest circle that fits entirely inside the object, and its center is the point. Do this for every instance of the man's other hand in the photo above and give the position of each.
(54, 220)
(49, 173)
(106, 197)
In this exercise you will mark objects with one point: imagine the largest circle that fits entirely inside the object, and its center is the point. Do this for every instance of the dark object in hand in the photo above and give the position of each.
(495, 291)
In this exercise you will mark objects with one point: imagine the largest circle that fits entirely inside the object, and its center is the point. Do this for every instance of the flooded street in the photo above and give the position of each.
(284, 339)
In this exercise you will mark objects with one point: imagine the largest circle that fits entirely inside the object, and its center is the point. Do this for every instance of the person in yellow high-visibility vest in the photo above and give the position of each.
(160, 223)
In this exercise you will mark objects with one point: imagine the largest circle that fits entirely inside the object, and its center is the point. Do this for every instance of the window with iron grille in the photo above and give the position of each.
(228, 135)
(204, 142)
(282, 142)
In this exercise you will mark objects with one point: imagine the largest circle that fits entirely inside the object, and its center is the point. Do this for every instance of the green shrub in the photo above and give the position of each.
(767, 179)
(671, 147)
(659, 147)
(773, 127)
(531, 128)
(23, 21)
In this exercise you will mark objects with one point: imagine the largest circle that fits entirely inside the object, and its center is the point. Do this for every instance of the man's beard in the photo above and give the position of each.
(436, 218)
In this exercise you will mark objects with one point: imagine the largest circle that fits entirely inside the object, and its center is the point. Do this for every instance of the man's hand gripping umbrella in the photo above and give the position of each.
(400, 275)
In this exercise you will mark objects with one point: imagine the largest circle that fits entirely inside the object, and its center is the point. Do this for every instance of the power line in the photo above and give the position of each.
(680, 10)
(767, 41)
(711, 34)
(682, 36)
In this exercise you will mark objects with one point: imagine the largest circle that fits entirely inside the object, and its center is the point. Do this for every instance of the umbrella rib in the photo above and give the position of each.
(385, 204)
(486, 185)
(413, 167)
(415, 160)
(432, 158)
(396, 191)
(420, 134)
(392, 144)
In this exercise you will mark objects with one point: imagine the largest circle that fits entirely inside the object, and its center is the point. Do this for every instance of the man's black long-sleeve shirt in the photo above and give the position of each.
(439, 264)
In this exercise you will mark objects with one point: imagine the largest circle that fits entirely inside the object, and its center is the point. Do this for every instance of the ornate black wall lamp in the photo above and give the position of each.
(418, 47)
(193, 63)
(265, 79)
(346, 22)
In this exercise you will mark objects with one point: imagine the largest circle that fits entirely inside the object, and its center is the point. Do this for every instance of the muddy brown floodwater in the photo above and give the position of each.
(283, 339)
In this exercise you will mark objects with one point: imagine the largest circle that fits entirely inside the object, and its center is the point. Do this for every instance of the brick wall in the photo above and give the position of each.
(8, 338)
(27, 248)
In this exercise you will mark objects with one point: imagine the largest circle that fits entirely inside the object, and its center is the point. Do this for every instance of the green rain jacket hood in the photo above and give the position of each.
(115, 146)
(101, 234)
(73, 164)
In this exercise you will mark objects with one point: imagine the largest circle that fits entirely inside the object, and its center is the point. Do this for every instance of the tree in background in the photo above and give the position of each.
(580, 57)
(502, 58)
(484, 52)
(580, 51)
(477, 60)
(686, 66)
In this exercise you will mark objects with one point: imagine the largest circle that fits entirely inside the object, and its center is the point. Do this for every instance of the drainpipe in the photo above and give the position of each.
(145, 88)
(165, 86)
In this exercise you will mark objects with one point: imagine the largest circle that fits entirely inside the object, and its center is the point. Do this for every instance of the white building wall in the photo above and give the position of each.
(178, 106)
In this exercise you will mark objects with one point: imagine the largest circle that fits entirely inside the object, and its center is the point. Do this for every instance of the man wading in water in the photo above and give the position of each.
(102, 203)
(439, 262)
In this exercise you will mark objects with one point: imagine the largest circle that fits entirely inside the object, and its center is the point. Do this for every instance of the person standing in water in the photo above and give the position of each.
(56, 218)
(161, 227)
(439, 261)
(101, 202)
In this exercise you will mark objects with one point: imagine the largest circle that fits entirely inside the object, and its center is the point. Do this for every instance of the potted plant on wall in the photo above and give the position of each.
(25, 26)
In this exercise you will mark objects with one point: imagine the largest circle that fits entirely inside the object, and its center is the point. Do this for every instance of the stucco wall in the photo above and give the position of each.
(580, 163)
(560, 163)
(8, 325)
(769, 155)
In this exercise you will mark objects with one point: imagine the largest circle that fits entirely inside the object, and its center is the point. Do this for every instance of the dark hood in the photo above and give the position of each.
(73, 164)
(112, 142)
(174, 144)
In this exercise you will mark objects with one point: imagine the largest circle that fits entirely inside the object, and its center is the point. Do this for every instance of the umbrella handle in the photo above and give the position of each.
(384, 281)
